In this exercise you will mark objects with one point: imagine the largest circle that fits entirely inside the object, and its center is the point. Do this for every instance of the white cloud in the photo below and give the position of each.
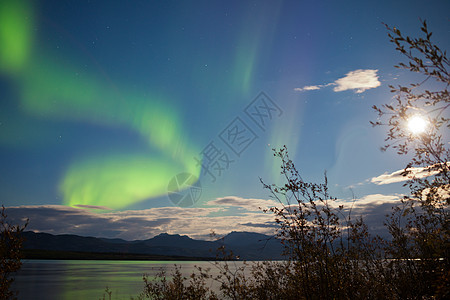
(358, 80)
(248, 204)
(309, 88)
(416, 172)
(376, 199)
(313, 87)
(443, 192)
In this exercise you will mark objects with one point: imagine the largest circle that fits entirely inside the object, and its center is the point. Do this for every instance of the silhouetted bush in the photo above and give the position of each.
(10, 246)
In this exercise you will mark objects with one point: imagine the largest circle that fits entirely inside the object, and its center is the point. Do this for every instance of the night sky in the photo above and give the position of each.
(106, 107)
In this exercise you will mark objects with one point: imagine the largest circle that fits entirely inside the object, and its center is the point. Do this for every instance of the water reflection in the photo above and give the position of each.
(68, 280)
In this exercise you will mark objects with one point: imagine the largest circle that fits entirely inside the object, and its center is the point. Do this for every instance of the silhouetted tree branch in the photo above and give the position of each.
(10, 246)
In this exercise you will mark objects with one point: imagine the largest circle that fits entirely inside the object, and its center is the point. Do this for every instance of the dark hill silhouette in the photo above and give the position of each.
(246, 245)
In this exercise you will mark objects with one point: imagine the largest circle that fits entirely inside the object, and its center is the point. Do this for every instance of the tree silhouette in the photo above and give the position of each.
(10, 246)
(420, 227)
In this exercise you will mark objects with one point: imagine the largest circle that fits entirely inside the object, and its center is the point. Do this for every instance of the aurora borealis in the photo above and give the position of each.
(103, 102)
(53, 89)
(16, 36)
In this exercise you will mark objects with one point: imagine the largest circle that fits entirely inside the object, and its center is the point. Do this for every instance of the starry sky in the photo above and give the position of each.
(129, 119)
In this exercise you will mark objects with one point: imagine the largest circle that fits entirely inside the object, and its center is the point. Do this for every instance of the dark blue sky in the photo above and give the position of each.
(103, 103)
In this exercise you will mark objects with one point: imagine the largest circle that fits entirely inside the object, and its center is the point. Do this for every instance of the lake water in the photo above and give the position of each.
(87, 279)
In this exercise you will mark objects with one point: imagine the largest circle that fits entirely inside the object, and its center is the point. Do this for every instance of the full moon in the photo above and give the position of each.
(417, 124)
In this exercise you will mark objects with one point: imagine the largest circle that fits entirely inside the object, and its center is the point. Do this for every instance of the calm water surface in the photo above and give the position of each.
(87, 279)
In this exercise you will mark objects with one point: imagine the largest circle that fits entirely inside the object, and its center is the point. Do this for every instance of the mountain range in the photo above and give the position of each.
(244, 245)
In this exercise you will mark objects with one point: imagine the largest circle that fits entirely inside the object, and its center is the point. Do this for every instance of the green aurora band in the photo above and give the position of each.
(16, 20)
(108, 181)
(52, 89)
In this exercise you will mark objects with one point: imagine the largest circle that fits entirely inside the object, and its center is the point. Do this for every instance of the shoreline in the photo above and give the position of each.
(36, 254)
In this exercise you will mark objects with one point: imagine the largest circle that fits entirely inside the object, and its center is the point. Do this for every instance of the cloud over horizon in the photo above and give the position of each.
(196, 222)
(93, 207)
(359, 81)
(248, 204)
